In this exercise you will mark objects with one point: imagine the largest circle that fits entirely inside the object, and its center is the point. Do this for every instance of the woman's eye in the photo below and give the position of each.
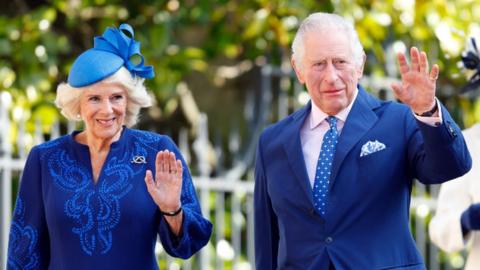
(94, 99)
(117, 97)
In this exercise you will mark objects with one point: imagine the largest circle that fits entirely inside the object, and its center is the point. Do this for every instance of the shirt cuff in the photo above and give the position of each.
(433, 121)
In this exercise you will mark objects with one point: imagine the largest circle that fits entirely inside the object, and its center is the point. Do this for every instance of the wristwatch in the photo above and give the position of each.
(430, 112)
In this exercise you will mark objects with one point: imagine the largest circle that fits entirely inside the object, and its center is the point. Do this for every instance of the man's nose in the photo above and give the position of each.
(331, 75)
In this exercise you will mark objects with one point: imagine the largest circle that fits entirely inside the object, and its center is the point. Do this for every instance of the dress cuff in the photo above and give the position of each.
(433, 121)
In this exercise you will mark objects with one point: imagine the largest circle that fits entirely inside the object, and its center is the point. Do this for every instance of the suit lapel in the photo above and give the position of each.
(293, 149)
(360, 119)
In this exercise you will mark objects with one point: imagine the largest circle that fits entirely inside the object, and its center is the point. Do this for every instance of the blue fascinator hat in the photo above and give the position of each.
(110, 52)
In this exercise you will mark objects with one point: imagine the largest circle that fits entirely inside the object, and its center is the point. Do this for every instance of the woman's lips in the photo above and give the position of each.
(107, 122)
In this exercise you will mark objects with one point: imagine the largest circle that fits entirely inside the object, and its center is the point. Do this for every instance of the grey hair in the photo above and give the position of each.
(68, 97)
(320, 21)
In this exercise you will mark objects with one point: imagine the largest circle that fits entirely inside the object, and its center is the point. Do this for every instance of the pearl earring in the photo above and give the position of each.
(78, 116)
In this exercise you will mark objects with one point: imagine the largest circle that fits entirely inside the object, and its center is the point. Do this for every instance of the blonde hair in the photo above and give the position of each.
(68, 97)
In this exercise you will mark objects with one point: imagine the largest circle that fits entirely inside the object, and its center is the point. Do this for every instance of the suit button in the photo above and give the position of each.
(328, 240)
(451, 130)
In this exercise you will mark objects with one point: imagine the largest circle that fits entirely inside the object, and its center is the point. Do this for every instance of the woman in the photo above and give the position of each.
(456, 224)
(97, 198)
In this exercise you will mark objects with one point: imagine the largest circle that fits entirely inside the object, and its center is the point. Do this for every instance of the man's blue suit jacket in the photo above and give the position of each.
(366, 226)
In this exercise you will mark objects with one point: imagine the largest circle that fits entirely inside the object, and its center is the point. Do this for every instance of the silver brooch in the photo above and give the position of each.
(138, 160)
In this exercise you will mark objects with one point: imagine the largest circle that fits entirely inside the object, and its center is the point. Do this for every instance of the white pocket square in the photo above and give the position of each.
(371, 147)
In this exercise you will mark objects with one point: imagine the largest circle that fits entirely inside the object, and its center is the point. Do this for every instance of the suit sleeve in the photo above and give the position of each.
(196, 230)
(28, 246)
(445, 228)
(265, 220)
(437, 154)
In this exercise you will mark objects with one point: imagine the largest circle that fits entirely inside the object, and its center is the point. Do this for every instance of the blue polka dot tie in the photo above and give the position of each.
(324, 166)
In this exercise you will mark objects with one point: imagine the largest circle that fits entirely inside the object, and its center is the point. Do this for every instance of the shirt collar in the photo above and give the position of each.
(317, 115)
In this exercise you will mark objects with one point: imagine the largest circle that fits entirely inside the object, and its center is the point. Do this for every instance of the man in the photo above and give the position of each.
(348, 208)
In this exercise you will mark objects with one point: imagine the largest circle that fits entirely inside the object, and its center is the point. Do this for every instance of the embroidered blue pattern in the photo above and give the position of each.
(77, 215)
(146, 138)
(23, 242)
(95, 209)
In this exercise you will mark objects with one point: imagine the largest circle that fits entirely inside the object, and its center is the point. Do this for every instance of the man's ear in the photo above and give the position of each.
(298, 71)
(360, 68)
